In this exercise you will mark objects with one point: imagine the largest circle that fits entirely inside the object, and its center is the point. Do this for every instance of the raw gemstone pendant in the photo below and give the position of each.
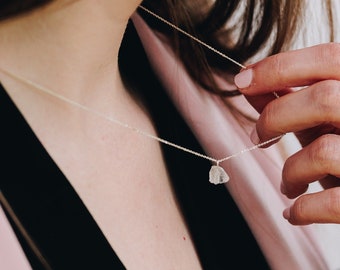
(217, 175)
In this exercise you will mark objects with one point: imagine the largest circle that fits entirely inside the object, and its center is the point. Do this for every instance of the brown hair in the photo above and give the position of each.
(10, 8)
(239, 29)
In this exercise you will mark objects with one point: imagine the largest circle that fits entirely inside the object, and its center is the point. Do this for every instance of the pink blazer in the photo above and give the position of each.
(254, 176)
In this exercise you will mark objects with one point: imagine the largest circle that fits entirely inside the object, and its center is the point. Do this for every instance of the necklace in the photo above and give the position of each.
(217, 174)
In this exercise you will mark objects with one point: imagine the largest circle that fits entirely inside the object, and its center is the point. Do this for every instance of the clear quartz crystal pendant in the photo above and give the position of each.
(217, 175)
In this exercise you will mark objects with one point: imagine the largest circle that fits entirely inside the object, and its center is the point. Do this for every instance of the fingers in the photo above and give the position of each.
(321, 207)
(314, 162)
(307, 108)
(260, 101)
(291, 69)
(312, 113)
(317, 161)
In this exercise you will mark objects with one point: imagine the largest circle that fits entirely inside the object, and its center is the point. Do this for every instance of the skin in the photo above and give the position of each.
(75, 46)
(313, 114)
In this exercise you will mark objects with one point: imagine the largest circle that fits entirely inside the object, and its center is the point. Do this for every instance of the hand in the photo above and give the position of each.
(312, 113)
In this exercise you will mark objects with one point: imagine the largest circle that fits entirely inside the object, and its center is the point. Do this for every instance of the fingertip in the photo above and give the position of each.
(283, 188)
(286, 213)
(244, 78)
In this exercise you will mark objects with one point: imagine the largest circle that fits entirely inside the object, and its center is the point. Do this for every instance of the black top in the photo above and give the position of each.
(61, 226)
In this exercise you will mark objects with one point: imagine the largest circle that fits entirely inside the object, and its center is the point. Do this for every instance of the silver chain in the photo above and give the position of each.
(118, 122)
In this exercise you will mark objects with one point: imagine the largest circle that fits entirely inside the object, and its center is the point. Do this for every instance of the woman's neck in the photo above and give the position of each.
(69, 45)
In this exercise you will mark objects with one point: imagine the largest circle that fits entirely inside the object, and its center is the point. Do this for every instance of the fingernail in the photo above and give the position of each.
(286, 213)
(244, 78)
(283, 188)
(254, 137)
